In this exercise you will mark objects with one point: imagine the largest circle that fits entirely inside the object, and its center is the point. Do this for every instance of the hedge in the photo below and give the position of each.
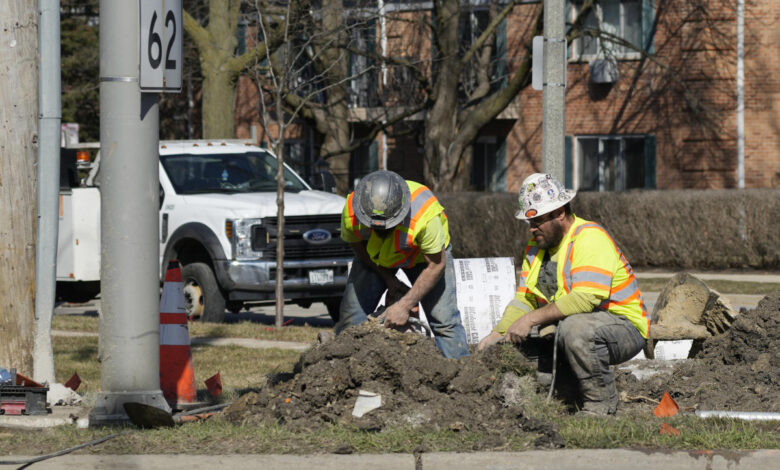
(675, 229)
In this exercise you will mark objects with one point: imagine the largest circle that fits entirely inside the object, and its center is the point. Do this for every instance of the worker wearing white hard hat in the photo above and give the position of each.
(574, 275)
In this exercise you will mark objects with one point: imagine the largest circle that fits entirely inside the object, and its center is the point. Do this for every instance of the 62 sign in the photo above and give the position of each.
(160, 39)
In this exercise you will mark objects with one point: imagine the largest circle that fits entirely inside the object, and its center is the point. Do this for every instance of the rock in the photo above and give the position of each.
(688, 309)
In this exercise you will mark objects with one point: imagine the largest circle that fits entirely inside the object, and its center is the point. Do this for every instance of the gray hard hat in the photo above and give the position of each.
(382, 200)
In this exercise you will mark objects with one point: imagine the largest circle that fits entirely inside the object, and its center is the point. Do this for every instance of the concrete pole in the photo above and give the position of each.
(554, 89)
(129, 348)
(49, 118)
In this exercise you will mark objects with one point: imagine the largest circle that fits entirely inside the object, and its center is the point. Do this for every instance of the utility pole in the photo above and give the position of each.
(129, 350)
(18, 138)
(554, 91)
(49, 119)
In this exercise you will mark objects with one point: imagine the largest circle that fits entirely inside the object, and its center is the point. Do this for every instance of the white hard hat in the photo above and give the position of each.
(541, 194)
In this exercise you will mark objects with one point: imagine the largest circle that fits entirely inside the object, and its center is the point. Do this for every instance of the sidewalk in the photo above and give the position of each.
(758, 276)
(580, 459)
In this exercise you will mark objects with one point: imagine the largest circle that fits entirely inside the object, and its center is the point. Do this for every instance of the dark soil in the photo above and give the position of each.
(738, 370)
(484, 393)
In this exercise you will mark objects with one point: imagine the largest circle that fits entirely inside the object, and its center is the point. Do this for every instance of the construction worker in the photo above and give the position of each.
(396, 224)
(575, 275)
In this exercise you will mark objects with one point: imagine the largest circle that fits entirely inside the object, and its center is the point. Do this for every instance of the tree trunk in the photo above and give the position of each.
(216, 48)
(218, 102)
(441, 148)
(333, 124)
(18, 129)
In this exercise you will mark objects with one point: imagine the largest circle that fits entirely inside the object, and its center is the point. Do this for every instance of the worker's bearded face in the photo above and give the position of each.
(547, 231)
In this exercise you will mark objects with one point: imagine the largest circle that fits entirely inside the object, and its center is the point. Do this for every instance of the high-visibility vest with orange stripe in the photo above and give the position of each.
(589, 261)
(399, 249)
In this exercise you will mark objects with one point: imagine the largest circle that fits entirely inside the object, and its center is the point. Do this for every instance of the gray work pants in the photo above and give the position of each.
(591, 342)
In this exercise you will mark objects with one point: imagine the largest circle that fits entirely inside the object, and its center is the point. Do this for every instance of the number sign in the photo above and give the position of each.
(160, 39)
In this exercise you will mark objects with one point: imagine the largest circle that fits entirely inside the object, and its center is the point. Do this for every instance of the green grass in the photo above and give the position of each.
(219, 437)
(722, 286)
(239, 368)
(304, 334)
(643, 431)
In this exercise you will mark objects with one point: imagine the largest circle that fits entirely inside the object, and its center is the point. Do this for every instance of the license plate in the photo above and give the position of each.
(321, 276)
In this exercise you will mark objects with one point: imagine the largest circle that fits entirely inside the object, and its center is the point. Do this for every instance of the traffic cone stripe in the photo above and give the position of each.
(174, 335)
(172, 300)
(173, 319)
(177, 375)
(173, 274)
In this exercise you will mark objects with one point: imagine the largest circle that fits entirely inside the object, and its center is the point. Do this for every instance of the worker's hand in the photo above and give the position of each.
(396, 315)
(489, 340)
(519, 330)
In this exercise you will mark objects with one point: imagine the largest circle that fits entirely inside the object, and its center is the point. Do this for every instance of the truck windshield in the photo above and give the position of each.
(226, 173)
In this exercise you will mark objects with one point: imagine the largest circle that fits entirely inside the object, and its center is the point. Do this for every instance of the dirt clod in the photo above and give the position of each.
(419, 388)
(738, 370)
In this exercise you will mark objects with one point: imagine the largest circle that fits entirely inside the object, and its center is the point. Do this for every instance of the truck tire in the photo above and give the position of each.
(77, 292)
(202, 295)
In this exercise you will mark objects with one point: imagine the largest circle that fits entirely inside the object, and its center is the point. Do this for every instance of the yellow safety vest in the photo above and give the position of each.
(400, 249)
(592, 263)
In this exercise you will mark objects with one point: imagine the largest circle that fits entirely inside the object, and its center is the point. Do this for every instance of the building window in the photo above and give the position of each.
(472, 23)
(364, 81)
(488, 171)
(627, 20)
(362, 161)
(614, 163)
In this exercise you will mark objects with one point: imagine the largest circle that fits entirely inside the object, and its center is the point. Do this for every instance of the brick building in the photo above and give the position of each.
(667, 120)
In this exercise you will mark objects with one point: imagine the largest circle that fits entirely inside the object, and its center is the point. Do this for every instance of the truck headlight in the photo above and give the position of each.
(239, 232)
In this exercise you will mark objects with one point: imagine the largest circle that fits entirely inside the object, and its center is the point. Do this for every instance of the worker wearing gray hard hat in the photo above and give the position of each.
(575, 275)
(396, 224)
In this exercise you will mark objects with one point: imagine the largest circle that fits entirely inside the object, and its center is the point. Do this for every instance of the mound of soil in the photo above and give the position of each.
(736, 371)
(419, 388)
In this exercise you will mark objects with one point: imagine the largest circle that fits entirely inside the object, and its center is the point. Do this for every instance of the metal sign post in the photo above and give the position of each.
(129, 342)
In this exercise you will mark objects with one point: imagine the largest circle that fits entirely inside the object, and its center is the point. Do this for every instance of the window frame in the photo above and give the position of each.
(578, 160)
(577, 45)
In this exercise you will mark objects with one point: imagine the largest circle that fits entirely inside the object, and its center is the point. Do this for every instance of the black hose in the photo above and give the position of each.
(33, 460)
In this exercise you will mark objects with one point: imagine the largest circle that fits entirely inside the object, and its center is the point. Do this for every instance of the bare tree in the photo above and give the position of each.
(18, 129)
(280, 72)
(220, 65)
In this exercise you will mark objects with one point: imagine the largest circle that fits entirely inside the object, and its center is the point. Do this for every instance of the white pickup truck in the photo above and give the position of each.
(218, 218)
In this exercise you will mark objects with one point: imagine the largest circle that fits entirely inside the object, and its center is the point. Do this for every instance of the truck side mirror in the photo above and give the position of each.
(323, 180)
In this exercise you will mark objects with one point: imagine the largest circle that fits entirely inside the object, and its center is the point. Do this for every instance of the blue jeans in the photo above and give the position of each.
(365, 287)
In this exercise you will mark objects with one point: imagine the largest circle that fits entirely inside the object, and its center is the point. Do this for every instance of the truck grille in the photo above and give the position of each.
(265, 236)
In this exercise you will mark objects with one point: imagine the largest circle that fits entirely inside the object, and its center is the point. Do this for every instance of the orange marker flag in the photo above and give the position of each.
(668, 430)
(214, 385)
(73, 382)
(667, 407)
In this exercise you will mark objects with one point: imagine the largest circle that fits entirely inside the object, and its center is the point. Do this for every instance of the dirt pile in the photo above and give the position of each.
(736, 371)
(487, 393)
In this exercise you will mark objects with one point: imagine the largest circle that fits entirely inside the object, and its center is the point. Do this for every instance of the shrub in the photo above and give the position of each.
(675, 229)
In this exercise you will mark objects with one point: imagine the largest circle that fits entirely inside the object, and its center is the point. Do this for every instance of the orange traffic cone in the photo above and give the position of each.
(177, 376)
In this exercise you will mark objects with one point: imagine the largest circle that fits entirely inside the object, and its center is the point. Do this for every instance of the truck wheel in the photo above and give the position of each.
(333, 309)
(202, 295)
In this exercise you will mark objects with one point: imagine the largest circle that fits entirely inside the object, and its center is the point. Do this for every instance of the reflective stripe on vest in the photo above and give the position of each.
(362, 233)
(598, 278)
(422, 199)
